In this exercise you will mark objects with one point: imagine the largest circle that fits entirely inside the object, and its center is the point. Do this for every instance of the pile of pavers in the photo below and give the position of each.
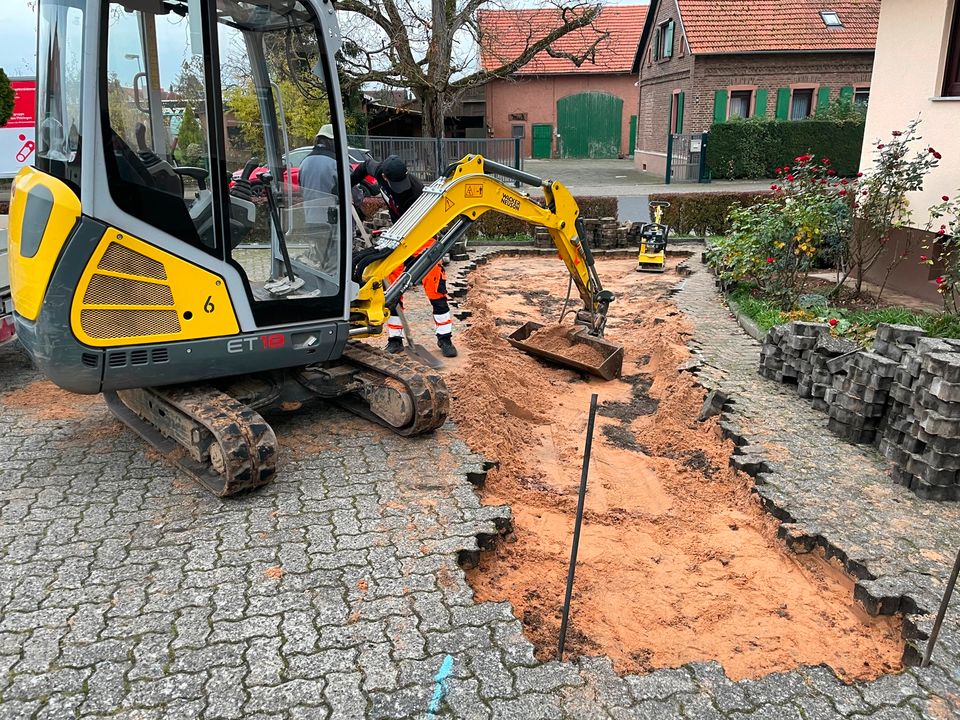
(904, 395)
(858, 406)
(922, 437)
(787, 352)
(828, 366)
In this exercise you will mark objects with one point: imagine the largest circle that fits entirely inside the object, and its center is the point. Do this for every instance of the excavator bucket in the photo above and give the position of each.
(571, 347)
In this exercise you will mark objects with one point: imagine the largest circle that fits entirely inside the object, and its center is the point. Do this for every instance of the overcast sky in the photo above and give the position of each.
(18, 37)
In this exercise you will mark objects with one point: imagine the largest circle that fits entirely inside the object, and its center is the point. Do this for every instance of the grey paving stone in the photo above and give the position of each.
(526, 707)
(661, 684)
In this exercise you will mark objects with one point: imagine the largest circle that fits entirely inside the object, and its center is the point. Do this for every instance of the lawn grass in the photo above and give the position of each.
(858, 325)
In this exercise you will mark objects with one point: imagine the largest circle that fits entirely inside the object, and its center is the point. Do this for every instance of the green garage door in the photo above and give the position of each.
(589, 125)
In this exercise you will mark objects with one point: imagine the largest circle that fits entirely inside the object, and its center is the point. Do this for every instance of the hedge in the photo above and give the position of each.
(755, 149)
(703, 213)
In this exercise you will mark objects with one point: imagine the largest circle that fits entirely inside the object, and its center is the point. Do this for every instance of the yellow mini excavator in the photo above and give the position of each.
(144, 268)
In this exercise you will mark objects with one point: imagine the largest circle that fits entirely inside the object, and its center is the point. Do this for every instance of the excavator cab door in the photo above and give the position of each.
(194, 99)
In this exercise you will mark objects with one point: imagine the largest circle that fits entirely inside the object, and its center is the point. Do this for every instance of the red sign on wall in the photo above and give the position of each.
(24, 104)
(17, 136)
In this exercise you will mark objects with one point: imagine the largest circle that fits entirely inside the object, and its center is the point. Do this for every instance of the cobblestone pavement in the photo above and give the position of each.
(336, 591)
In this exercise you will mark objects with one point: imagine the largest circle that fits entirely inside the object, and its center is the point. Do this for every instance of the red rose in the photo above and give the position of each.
(946, 198)
(941, 232)
(842, 193)
(923, 258)
(940, 281)
(859, 174)
(833, 322)
(896, 133)
(790, 178)
(844, 182)
(931, 151)
(938, 156)
(831, 172)
(826, 161)
(779, 170)
(770, 260)
(786, 168)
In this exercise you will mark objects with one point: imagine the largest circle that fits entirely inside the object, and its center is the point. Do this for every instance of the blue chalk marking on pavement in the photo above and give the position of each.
(446, 667)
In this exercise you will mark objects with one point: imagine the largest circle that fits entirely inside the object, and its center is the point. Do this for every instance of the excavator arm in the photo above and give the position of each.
(445, 211)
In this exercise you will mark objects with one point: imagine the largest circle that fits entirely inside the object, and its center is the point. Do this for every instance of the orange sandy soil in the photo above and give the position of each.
(678, 563)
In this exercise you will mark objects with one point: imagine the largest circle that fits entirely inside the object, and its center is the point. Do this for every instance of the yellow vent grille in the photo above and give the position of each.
(106, 324)
(110, 290)
(122, 259)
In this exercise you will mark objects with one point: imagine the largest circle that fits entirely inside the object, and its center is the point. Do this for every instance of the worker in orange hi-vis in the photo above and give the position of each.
(400, 190)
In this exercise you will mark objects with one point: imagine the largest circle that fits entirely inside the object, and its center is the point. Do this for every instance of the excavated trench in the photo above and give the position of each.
(678, 562)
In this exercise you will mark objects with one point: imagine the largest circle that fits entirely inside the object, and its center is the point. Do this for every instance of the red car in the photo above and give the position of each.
(368, 185)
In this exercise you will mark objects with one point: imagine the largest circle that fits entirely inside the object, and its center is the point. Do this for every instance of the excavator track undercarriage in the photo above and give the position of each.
(223, 443)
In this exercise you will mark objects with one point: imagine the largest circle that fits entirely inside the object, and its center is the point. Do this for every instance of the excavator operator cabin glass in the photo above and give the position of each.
(276, 97)
(59, 89)
(206, 101)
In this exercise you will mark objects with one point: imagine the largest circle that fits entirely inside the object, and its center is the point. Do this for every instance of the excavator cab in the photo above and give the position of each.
(147, 109)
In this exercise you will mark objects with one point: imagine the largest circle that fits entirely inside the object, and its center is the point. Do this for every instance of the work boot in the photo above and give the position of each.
(446, 346)
(395, 345)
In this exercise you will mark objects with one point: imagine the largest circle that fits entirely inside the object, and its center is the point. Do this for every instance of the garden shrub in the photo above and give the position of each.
(750, 149)
(7, 98)
(703, 214)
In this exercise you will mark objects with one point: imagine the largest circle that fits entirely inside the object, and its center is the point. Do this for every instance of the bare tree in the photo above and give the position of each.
(430, 47)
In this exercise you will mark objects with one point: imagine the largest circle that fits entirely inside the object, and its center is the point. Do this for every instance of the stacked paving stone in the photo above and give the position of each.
(860, 401)
(787, 352)
(828, 365)
(922, 437)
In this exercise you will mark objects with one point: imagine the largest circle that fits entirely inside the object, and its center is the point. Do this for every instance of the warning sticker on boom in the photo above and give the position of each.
(473, 190)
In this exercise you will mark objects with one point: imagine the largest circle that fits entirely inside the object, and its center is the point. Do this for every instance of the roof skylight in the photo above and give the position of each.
(831, 18)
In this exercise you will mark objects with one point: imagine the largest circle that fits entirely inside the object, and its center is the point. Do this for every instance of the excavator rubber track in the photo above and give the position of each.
(426, 389)
(221, 443)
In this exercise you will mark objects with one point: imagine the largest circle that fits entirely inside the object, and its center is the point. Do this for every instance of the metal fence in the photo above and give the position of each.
(686, 158)
(427, 157)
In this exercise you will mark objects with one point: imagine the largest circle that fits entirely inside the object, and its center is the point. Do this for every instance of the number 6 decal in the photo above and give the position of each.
(208, 306)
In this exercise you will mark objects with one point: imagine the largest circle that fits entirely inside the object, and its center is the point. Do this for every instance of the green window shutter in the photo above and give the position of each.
(673, 99)
(720, 106)
(656, 44)
(846, 94)
(823, 100)
(680, 112)
(668, 39)
(783, 104)
(760, 109)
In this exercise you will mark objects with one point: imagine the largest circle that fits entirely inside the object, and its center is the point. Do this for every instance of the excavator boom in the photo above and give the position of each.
(445, 211)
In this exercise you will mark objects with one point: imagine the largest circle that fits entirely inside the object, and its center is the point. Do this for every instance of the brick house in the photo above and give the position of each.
(706, 61)
(917, 72)
(560, 109)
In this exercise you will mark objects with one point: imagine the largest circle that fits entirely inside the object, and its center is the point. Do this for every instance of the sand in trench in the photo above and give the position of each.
(677, 563)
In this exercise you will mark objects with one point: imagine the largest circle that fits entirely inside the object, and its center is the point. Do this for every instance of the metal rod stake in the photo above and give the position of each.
(951, 583)
(577, 524)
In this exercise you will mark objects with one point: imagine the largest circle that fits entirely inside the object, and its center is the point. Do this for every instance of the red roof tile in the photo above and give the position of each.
(507, 33)
(736, 26)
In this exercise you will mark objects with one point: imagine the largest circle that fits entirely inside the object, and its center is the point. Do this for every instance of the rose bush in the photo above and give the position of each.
(775, 243)
(945, 224)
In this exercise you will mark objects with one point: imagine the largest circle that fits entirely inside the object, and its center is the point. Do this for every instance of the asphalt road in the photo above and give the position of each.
(619, 178)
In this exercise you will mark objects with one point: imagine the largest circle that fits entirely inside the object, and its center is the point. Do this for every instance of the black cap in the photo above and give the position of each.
(394, 171)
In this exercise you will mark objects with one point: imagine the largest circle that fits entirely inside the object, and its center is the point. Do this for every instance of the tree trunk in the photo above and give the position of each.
(432, 103)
